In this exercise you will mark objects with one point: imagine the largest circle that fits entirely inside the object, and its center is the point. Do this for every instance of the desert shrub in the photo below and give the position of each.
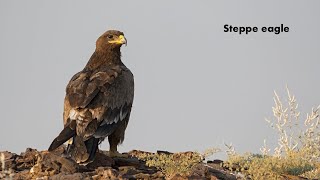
(178, 163)
(298, 150)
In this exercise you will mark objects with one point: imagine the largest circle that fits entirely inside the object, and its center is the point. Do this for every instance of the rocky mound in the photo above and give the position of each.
(33, 164)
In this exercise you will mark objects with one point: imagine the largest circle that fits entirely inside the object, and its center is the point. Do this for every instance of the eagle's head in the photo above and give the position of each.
(111, 39)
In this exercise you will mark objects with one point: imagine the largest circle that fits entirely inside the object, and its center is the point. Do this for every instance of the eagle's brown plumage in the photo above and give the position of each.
(98, 101)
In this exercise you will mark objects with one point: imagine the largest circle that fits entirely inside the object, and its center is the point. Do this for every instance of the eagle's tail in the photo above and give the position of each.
(68, 132)
(81, 151)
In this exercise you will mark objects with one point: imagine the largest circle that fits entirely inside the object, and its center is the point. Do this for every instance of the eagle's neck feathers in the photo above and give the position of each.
(106, 57)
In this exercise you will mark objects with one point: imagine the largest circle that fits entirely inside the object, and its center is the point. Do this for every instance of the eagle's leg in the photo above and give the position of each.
(115, 153)
(114, 140)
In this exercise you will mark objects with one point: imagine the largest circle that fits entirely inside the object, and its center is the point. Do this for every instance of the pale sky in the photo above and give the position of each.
(196, 86)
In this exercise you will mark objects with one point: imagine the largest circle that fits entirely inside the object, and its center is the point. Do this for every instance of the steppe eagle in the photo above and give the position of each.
(98, 102)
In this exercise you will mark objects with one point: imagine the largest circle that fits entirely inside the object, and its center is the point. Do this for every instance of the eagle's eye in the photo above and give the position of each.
(110, 36)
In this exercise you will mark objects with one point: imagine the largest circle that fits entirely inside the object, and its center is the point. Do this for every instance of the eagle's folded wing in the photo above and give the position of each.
(84, 86)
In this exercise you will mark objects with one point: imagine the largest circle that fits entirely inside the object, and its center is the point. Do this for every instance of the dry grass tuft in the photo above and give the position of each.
(298, 150)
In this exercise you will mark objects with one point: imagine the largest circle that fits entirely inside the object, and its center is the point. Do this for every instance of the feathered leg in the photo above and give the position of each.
(117, 138)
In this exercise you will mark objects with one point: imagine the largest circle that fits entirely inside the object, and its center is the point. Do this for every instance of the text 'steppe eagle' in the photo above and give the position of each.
(98, 102)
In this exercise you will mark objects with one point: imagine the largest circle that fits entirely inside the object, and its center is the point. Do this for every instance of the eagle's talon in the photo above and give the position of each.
(116, 154)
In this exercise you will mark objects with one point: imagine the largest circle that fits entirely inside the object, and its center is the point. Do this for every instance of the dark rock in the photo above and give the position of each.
(61, 150)
(75, 176)
(128, 170)
(142, 176)
(164, 152)
(22, 175)
(33, 164)
(49, 164)
(105, 173)
(200, 170)
(216, 166)
(27, 159)
(216, 161)
(8, 155)
(206, 171)
(222, 175)
(127, 162)
(101, 160)
(9, 160)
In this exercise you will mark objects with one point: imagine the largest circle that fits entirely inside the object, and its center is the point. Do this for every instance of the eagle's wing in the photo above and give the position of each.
(97, 99)
(85, 85)
(102, 95)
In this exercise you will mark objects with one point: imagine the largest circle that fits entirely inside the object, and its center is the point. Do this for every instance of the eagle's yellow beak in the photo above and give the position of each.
(121, 40)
